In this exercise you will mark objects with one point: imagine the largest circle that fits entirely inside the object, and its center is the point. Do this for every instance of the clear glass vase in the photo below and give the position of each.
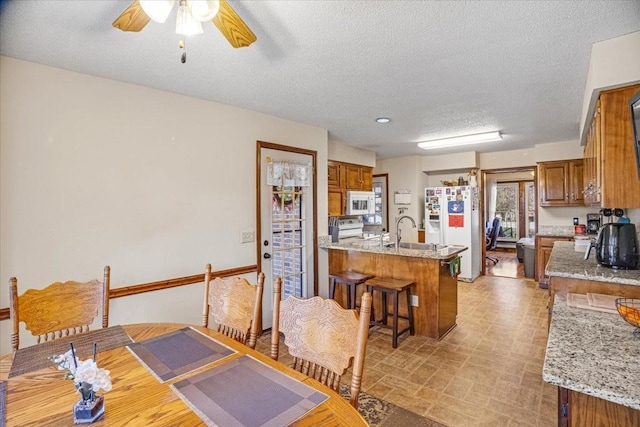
(90, 407)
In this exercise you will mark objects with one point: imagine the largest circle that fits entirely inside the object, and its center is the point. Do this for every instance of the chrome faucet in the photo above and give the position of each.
(398, 237)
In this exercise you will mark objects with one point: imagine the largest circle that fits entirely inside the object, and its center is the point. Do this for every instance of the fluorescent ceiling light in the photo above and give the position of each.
(383, 120)
(461, 140)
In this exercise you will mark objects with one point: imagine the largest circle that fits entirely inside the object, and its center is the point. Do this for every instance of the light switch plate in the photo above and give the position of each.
(414, 300)
(247, 236)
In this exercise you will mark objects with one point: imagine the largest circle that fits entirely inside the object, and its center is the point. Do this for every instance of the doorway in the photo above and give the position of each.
(380, 218)
(511, 195)
(286, 216)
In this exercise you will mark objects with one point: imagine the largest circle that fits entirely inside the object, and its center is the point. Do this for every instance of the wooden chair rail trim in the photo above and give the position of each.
(163, 284)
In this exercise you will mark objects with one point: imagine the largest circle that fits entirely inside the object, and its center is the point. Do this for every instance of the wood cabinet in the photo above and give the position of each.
(336, 188)
(593, 162)
(561, 183)
(420, 236)
(343, 177)
(544, 245)
(577, 409)
(358, 177)
(611, 177)
(335, 175)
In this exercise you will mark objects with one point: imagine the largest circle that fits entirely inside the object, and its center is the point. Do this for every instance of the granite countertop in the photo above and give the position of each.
(373, 246)
(556, 234)
(566, 262)
(594, 353)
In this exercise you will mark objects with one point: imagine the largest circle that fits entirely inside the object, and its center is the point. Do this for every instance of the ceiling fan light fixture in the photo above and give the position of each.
(204, 10)
(186, 24)
(158, 10)
(456, 141)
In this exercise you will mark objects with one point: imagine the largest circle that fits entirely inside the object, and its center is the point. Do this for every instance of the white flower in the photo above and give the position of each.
(88, 372)
(85, 371)
(65, 362)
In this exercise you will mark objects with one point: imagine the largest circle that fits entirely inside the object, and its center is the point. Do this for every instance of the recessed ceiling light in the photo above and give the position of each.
(383, 120)
(461, 140)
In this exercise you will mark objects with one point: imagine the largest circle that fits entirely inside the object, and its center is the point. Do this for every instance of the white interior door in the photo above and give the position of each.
(286, 241)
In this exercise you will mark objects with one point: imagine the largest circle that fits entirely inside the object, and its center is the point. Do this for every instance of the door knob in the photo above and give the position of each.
(266, 255)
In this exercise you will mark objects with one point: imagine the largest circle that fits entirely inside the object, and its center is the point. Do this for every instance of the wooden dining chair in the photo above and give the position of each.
(323, 338)
(60, 309)
(235, 306)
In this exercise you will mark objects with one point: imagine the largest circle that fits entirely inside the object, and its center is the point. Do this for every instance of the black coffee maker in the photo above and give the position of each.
(594, 221)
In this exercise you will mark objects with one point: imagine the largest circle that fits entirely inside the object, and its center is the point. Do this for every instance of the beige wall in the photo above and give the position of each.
(342, 152)
(96, 172)
(405, 174)
(614, 62)
(413, 172)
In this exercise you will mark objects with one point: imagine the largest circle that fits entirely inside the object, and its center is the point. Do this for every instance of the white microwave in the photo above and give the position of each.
(361, 203)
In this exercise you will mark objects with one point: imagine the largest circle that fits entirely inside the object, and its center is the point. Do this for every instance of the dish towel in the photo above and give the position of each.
(454, 267)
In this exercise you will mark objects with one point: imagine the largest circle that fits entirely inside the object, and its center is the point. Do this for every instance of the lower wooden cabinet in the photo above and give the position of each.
(544, 245)
(582, 410)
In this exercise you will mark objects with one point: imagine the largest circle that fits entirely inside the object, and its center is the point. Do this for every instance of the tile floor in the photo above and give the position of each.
(507, 266)
(486, 372)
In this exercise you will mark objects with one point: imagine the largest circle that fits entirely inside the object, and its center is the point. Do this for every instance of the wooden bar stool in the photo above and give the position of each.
(351, 279)
(393, 287)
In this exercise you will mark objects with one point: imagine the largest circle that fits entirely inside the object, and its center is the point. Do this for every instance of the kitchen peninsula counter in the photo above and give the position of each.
(570, 273)
(373, 245)
(435, 290)
(593, 357)
(566, 262)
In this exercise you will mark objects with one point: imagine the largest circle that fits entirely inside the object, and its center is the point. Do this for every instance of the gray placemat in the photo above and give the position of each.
(246, 392)
(176, 353)
(3, 403)
(33, 358)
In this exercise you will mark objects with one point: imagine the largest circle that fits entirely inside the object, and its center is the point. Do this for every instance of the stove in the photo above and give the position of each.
(350, 226)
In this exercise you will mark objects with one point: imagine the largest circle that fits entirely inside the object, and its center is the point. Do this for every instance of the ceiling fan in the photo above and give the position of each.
(190, 14)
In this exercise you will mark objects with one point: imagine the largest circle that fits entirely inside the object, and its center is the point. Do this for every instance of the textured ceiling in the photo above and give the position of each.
(436, 68)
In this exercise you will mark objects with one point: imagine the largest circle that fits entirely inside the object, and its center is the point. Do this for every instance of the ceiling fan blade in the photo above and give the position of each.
(232, 26)
(132, 19)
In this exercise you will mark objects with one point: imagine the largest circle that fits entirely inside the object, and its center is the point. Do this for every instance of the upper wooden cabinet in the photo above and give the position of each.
(358, 177)
(611, 177)
(335, 176)
(343, 177)
(561, 183)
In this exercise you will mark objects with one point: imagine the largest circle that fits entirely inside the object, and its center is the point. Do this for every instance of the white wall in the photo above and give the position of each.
(342, 152)
(448, 162)
(405, 174)
(613, 63)
(431, 170)
(156, 185)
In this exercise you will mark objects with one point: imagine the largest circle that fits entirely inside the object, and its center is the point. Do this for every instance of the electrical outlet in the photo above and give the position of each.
(247, 236)
(414, 300)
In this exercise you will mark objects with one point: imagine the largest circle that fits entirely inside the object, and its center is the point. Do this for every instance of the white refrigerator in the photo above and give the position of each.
(452, 217)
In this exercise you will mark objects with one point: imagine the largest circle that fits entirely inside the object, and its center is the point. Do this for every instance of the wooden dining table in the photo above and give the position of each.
(138, 398)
